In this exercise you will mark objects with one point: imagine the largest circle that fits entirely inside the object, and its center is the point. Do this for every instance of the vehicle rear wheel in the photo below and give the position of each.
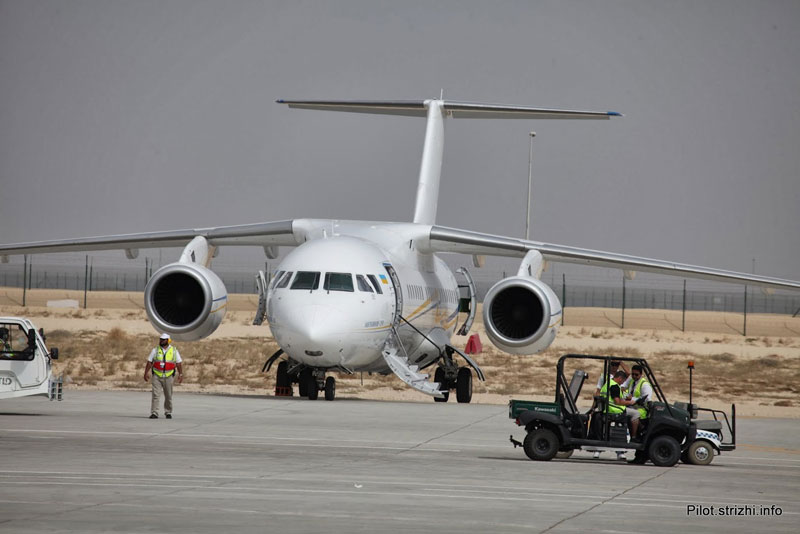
(439, 376)
(700, 453)
(464, 385)
(541, 444)
(330, 388)
(563, 455)
(311, 386)
(664, 451)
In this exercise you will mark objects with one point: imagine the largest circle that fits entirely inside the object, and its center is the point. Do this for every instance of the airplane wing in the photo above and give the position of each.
(443, 239)
(259, 234)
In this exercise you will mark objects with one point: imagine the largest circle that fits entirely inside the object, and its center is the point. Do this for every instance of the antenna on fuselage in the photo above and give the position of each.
(433, 147)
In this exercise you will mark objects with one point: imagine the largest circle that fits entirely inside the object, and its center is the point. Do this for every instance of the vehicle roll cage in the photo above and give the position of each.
(568, 398)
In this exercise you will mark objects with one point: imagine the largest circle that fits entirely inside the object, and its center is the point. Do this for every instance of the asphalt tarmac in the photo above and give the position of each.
(96, 463)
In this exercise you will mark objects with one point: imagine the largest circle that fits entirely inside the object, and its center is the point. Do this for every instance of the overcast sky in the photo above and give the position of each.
(120, 117)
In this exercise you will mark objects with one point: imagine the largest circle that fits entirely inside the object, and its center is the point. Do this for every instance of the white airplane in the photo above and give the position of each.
(362, 296)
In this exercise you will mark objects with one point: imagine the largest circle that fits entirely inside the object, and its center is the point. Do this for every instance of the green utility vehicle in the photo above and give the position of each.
(669, 432)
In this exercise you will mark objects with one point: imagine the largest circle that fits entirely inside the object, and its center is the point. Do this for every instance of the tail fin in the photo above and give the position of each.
(433, 148)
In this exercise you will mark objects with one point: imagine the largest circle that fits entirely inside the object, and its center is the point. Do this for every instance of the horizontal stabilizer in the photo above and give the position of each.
(464, 110)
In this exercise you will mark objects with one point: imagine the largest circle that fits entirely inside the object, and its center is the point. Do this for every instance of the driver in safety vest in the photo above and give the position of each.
(164, 361)
(639, 388)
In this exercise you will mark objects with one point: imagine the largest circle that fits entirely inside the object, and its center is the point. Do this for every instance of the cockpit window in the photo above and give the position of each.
(284, 281)
(306, 280)
(275, 278)
(375, 284)
(363, 285)
(338, 282)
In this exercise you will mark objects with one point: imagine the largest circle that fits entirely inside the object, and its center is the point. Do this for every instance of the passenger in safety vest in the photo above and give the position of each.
(617, 403)
(640, 389)
(613, 367)
(164, 361)
(603, 383)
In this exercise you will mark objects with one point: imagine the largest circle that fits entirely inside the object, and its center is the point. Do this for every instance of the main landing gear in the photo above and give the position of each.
(450, 376)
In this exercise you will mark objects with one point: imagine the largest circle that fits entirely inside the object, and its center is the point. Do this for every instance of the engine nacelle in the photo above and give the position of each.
(521, 315)
(186, 300)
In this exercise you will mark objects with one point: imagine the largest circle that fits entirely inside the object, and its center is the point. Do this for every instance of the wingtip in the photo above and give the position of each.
(615, 114)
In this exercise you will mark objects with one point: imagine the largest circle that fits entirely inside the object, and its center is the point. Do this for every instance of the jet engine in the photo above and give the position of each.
(521, 315)
(186, 300)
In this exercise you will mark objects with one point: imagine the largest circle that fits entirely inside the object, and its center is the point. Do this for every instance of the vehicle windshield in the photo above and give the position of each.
(14, 343)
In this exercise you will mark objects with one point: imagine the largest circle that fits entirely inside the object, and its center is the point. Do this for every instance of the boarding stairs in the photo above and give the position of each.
(397, 359)
(261, 311)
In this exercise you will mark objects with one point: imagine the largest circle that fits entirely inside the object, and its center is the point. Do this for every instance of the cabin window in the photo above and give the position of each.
(307, 280)
(338, 282)
(363, 285)
(375, 283)
(284, 281)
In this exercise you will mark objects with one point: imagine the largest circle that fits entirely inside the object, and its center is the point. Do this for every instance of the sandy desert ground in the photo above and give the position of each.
(105, 346)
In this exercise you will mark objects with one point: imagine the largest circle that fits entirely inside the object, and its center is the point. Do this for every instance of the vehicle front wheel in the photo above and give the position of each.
(664, 451)
(700, 453)
(541, 444)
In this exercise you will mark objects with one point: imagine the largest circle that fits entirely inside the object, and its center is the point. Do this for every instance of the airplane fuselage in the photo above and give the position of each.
(333, 300)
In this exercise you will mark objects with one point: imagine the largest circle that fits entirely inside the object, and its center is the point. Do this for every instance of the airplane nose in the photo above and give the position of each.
(317, 328)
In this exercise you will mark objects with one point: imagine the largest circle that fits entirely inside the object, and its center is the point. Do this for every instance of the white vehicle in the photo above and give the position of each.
(25, 362)
(361, 296)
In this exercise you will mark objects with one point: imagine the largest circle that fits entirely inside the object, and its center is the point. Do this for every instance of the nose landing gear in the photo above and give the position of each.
(310, 381)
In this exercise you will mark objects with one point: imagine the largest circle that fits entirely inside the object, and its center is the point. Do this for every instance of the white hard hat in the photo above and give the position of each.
(164, 336)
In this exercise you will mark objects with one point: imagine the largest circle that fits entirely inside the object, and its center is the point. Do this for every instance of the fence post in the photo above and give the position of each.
(744, 327)
(25, 280)
(563, 297)
(683, 319)
(623, 300)
(85, 281)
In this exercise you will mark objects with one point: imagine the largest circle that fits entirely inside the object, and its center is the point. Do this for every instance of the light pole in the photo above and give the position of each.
(530, 176)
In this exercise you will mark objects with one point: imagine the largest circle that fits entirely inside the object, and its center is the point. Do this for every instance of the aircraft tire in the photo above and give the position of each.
(439, 376)
(282, 376)
(330, 388)
(302, 382)
(464, 385)
(311, 386)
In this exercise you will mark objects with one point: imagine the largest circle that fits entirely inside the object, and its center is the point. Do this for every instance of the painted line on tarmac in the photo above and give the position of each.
(250, 440)
(367, 493)
(433, 486)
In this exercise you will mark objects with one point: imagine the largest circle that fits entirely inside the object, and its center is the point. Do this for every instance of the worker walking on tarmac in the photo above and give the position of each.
(164, 360)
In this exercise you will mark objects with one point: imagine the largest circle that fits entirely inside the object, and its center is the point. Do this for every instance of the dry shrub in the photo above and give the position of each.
(772, 361)
(725, 357)
(783, 403)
